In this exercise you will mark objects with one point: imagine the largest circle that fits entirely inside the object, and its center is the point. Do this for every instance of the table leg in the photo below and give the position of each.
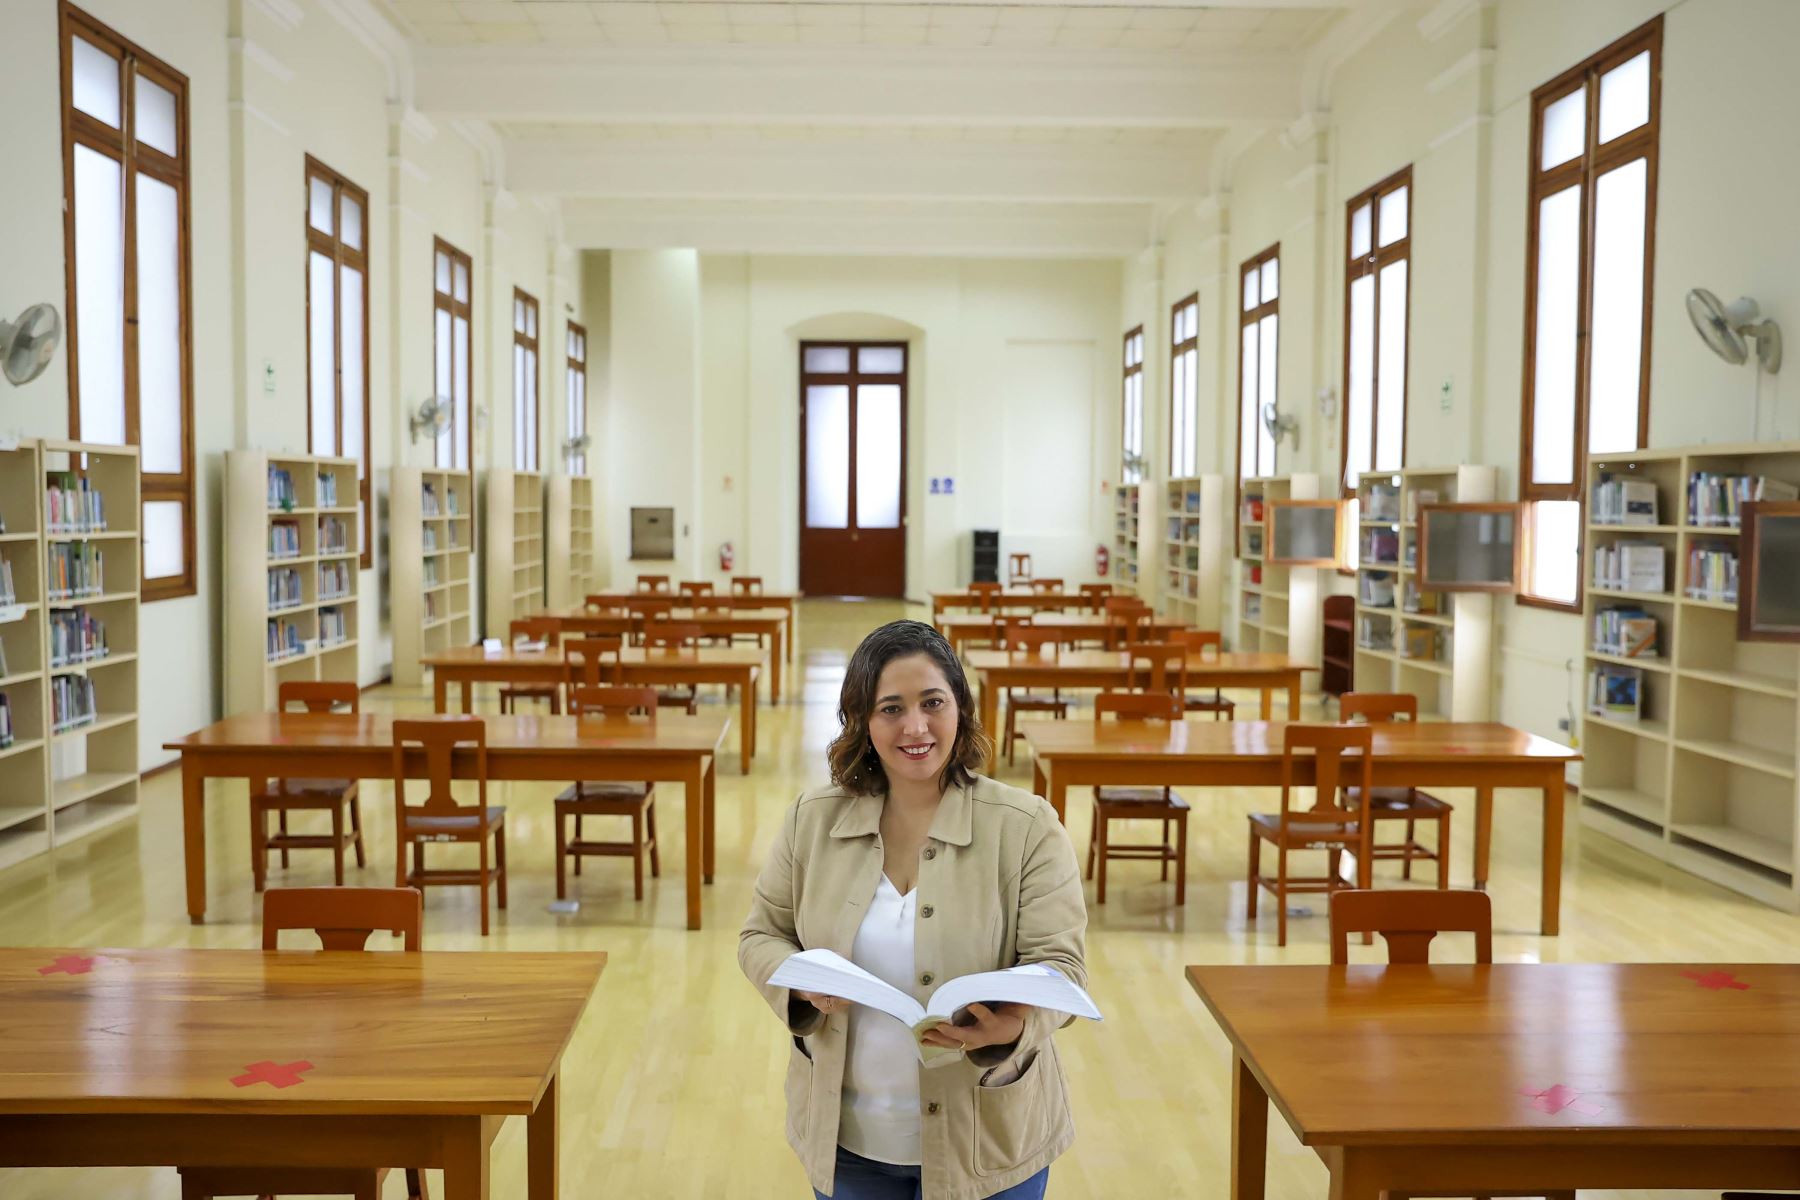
(775, 665)
(468, 690)
(1249, 1132)
(793, 616)
(695, 786)
(710, 819)
(1268, 703)
(990, 718)
(1550, 921)
(1293, 713)
(193, 833)
(1057, 793)
(1351, 1178)
(1484, 834)
(440, 688)
(540, 1136)
(1038, 783)
(465, 1160)
(747, 730)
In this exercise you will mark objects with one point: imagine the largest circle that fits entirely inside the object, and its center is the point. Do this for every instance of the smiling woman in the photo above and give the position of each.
(953, 874)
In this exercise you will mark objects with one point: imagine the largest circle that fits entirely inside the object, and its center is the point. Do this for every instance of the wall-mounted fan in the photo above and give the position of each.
(1280, 425)
(576, 445)
(433, 417)
(1725, 328)
(26, 345)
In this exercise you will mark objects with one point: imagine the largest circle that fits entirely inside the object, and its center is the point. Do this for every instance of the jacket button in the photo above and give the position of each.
(932, 1108)
(925, 978)
(931, 852)
(926, 911)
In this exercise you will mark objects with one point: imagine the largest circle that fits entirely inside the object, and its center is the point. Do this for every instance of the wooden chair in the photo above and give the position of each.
(1400, 803)
(1328, 825)
(1028, 639)
(609, 798)
(1125, 618)
(343, 918)
(696, 587)
(1198, 642)
(533, 629)
(746, 585)
(674, 635)
(586, 663)
(441, 818)
(1138, 803)
(282, 796)
(1157, 667)
(1018, 569)
(652, 583)
(1094, 595)
(985, 595)
(647, 609)
(1047, 585)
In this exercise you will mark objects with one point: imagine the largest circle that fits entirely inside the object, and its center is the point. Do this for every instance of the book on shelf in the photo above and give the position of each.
(1631, 567)
(1375, 589)
(428, 502)
(1374, 633)
(1252, 608)
(6, 721)
(1616, 693)
(8, 595)
(328, 497)
(76, 636)
(1380, 546)
(1712, 573)
(1256, 575)
(284, 539)
(455, 501)
(284, 640)
(1253, 542)
(1618, 501)
(1381, 503)
(333, 629)
(76, 571)
(1716, 499)
(334, 581)
(1417, 498)
(1625, 633)
(285, 588)
(281, 489)
(334, 535)
(3, 671)
(72, 703)
(73, 504)
(1422, 603)
(1253, 510)
(1426, 643)
(828, 973)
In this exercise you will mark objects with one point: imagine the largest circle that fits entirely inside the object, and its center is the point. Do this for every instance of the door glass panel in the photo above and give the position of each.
(440, 278)
(318, 205)
(459, 378)
(1565, 128)
(1247, 418)
(1359, 231)
(154, 118)
(1393, 216)
(322, 351)
(1265, 384)
(1625, 97)
(1252, 282)
(1271, 280)
(94, 81)
(100, 294)
(350, 359)
(1553, 380)
(462, 282)
(1390, 413)
(352, 212)
(828, 457)
(881, 360)
(1361, 398)
(1616, 338)
(878, 456)
(441, 386)
(163, 539)
(159, 326)
(827, 360)
(1555, 549)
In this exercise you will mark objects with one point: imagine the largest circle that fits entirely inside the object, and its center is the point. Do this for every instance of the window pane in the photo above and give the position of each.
(1177, 411)
(1616, 337)
(100, 294)
(518, 315)
(828, 457)
(1553, 369)
(878, 456)
(1137, 349)
(1267, 371)
(462, 281)
(518, 407)
(164, 551)
(1555, 549)
(160, 432)
(1390, 428)
(1360, 399)
(440, 277)
(318, 205)
(828, 360)
(444, 454)
(1359, 231)
(321, 339)
(460, 382)
(154, 117)
(1271, 280)
(881, 360)
(1565, 128)
(352, 211)
(1393, 215)
(351, 363)
(1251, 285)
(531, 320)
(94, 79)
(1190, 407)
(1625, 97)
(1247, 405)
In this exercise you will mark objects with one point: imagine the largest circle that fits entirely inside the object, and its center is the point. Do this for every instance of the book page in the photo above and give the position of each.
(831, 974)
(1035, 984)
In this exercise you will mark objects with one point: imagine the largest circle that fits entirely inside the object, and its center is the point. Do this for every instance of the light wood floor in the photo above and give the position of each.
(672, 1085)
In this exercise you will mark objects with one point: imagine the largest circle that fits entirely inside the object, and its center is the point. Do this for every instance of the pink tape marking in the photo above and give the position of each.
(1559, 1096)
(70, 964)
(278, 1075)
(1714, 981)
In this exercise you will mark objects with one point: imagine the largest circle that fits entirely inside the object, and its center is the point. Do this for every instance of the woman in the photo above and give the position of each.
(919, 871)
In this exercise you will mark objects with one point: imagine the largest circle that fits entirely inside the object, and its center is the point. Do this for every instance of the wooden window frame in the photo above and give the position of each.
(528, 341)
(1176, 350)
(1250, 316)
(1585, 169)
(332, 246)
(577, 367)
(1132, 370)
(1372, 264)
(446, 302)
(134, 158)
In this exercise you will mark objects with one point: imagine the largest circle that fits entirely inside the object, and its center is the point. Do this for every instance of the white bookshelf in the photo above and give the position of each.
(582, 579)
(1126, 527)
(1705, 776)
(1195, 519)
(24, 769)
(308, 540)
(568, 524)
(1437, 646)
(514, 548)
(431, 543)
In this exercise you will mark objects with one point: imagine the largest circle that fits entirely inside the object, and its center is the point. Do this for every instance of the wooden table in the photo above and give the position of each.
(767, 622)
(179, 1058)
(1076, 626)
(787, 602)
(1197, 753)
(1452, 1080)
(1012, 599)
(733, 666)
(998, 670)
(676, 749)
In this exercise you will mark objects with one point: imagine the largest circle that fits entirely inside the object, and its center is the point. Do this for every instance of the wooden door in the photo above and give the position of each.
(853, 468)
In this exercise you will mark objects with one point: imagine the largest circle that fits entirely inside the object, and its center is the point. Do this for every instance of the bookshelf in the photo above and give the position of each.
(515, 547)
(24, 769)
(431, 543)
(581, 545)
(1277, 607)
(1694, 763)
(292, 550)
(1435, 645)
(1125, 538)
(1194, 549)
(569, 539)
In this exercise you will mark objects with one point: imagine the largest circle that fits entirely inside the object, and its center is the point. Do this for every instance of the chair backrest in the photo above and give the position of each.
(1379, 707)
(696, 587)
(612, 702)
(1046, 584)
(746, 585)
(1334, 769)
(1018, 568)
(547, 630)
(1408, 920)
(1027, 637)
(585, 659)
(439, 737)
(1198, 642)
(1157, 666)
(985, 594)
(1138, 706)
(676, 635)
(652, 583)
(1093, 595)
(317, 696)
(596, 603)
(343, 917)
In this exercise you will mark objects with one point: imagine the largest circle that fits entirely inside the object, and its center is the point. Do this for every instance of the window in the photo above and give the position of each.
(452, 317)
(1184, 400)
(1131, 432)
(1259, 324)
(577, 385)
(525, 382)
(337, 328)
(1588, 255)
(126, 255)
(1378, 240)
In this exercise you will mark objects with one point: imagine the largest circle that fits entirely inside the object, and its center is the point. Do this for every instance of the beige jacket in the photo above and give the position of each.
(998, 886)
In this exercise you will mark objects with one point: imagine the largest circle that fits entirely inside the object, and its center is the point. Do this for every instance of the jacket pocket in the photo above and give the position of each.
(1015, 1121)
(799, 1091)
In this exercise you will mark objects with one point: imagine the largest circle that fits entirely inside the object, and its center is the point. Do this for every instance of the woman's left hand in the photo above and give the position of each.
(999, 1025)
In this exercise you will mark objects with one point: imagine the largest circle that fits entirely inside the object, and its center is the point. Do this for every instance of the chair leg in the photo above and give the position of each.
(562, 854)
(1281, 857)
(283, 828)
(1010, 730)
(1406, 859)
(1255, 872)
(484, 887)
(337, 843)
(578, 838)
(1093, 841)
(259, 851)
(356, 828)
(1443, 851)
(399, 855)
(650, 820)
(191, 1190)
(500, 860)
(1165, 846)
(415, 1184)
(637, 856)
(1100, 836)
(367, 1187)
(1181, 860)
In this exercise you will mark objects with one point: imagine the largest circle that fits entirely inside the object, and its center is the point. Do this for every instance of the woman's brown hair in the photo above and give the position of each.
(855, 766)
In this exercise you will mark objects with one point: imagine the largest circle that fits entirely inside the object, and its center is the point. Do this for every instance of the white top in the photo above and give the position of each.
(879, 1111)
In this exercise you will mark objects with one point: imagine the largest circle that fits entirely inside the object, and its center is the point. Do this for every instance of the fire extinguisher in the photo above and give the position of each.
(1102, 559)
(727, 556)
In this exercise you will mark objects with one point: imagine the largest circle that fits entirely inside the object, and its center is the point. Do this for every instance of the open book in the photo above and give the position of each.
(831, 974)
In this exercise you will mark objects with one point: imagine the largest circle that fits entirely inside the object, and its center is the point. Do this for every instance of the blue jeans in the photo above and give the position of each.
(860, 1178)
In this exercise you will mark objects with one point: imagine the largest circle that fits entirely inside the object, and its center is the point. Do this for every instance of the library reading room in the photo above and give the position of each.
(1211, 587)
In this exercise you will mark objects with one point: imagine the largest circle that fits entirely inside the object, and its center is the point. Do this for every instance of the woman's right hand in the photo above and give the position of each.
(825, 1004)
